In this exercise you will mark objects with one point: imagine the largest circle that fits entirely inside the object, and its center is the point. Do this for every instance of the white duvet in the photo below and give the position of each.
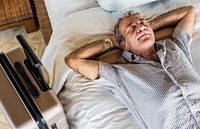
(90, 106)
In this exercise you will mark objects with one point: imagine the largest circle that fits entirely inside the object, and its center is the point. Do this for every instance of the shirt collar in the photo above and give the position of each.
(132, 57)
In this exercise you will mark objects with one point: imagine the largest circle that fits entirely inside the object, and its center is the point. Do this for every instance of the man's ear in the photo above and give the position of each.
(124, 46)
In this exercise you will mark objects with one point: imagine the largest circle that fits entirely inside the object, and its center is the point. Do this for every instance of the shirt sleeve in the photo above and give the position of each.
(107, 72)
(182, 39)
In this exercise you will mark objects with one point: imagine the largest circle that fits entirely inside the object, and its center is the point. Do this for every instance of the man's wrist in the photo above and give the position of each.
(154, 24)
(108, 42)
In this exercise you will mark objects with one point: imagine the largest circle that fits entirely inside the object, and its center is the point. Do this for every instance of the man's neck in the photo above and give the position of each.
(154, 57)
(151, 54)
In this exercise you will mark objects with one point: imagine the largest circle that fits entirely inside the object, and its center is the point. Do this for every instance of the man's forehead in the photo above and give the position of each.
(127, 20)
(133, 17)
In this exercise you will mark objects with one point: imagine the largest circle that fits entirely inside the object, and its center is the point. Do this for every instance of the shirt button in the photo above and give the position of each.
(198, 113)
(195, 101)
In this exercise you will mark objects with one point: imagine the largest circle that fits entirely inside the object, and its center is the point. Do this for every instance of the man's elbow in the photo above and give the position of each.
(189, 7)
(69, 61)
(192, 9)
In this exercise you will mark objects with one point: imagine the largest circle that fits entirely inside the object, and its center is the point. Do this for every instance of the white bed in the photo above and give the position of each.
(79, 22)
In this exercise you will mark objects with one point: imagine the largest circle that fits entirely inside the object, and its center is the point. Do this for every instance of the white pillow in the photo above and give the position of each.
(57, 9)
(114, 5)
(71, 32)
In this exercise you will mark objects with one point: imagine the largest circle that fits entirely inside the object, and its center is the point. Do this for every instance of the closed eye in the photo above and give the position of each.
(144, 22)
(130, 27)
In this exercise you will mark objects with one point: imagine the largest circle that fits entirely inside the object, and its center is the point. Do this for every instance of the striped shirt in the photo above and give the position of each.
(162, 95)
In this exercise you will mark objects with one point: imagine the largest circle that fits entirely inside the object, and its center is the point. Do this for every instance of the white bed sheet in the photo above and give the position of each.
(90, 106)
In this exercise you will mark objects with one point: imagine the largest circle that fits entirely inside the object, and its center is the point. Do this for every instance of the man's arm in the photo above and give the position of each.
(163, 33)
(83, 61)
(187, 22)
(183, 17)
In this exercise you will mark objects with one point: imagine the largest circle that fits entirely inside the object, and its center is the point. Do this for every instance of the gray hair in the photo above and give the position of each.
(118, 35)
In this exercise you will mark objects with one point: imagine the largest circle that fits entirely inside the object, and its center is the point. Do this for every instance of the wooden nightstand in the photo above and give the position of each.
(17, 13)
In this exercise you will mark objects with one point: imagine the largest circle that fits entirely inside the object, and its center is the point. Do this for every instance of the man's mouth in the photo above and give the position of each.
(142, 35)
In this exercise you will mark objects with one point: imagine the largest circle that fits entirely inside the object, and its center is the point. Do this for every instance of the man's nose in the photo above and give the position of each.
(141, 28)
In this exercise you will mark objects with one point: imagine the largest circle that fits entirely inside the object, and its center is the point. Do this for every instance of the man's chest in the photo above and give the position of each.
(144, 78)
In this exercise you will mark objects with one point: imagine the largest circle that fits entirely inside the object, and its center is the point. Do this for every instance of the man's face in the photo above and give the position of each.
(137, 33)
